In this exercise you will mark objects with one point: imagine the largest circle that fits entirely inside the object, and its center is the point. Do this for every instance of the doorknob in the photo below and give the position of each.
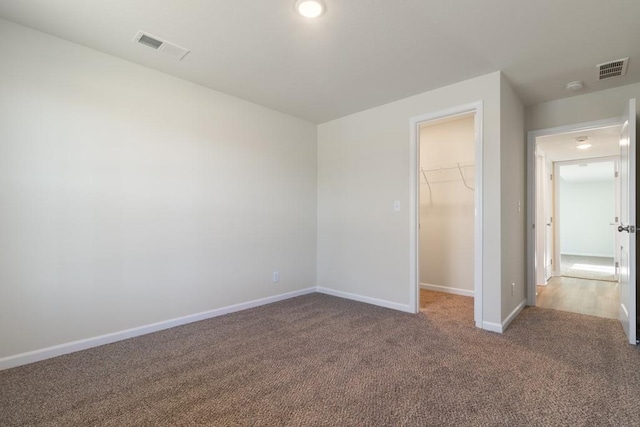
(628, 229)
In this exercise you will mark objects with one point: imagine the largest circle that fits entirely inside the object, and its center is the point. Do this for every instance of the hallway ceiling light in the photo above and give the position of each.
(310, 8)
(574, 86)
(583, 146)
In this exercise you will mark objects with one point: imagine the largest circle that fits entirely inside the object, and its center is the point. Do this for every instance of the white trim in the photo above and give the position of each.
(501, 327)
(414, 206)
(492, 327)
(447, 289)
(71, 347)
(602, 159)
(531, 189)
(556, 225)
(588, 254)
(506, 322)
(557, 201)
(374, 301)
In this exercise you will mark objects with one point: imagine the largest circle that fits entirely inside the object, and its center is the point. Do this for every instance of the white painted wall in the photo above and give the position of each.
(592, 106)
(131, 197)
(447, 210)
(363, 166)
(512, 200)
(586, 211)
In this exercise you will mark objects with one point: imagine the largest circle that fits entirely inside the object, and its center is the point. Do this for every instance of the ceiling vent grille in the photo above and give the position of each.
(612, 68)
(157, 43)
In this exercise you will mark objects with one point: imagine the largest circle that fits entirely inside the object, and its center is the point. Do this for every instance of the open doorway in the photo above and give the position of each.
(577, 206)
(586, 207)
(446, 211)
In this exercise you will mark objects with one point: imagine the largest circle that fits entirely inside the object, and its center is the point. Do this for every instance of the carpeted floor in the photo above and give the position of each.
(321, 360)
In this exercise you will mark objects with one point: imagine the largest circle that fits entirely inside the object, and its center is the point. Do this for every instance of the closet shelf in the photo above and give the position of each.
(444, 167)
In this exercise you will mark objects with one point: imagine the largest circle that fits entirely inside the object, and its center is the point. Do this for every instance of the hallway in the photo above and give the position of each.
(591, 297)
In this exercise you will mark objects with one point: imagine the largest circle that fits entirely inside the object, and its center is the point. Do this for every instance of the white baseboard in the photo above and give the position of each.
(587, 254)
(447, 289)
(514, 314)
(71, 347)
(492, 327)
(368, 300)
(501, 327)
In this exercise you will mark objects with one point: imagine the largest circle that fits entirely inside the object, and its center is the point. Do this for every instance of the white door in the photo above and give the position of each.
(627, 222)
(616, 222)
(541, 175)
(548, 209)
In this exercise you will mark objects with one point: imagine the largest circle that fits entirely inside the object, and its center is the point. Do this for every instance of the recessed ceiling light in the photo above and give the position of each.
(581, 139)
(583, 146)
(574, 86)
(310, 8)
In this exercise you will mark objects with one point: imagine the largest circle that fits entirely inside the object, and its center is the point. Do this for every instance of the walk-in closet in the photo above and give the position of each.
(447, 203)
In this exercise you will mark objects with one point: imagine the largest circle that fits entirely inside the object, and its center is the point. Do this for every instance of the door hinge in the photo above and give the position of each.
(615, 174)
(616, 219)
(551, 176)
(632, 229)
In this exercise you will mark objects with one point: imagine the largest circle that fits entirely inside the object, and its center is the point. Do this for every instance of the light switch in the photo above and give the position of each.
(396, 206)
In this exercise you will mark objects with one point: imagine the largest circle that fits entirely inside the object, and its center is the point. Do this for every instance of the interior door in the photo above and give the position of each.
(540, 229)
(616, 222)
(626, 228)
(548, 229)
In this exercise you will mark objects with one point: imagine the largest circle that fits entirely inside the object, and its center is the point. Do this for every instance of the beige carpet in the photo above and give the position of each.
(320, 360)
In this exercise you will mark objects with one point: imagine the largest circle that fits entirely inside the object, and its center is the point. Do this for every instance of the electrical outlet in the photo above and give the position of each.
(276, 276)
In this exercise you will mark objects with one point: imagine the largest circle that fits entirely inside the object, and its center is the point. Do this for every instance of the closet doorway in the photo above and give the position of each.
(448, 212)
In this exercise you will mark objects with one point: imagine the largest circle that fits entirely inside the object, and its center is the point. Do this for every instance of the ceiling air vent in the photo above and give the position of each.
(157, 43)
(612, 68)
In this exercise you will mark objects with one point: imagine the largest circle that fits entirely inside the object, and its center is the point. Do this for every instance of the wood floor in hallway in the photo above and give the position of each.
(583, 296)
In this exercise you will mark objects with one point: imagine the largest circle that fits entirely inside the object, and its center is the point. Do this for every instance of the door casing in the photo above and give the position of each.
(531, 190)
(414, 205)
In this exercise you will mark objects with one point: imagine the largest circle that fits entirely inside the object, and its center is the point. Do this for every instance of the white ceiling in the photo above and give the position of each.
(562, 147)
(588, 172)
(360, 53)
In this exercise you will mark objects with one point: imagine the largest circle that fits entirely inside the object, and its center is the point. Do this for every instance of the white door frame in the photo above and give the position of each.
(414, 205)
(531, 190)
(542, 215)
(557, 221)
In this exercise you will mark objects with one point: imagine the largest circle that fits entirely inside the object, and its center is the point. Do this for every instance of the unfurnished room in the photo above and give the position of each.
(319, 213)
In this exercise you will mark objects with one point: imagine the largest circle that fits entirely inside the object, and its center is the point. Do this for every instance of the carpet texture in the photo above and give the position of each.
(321, 360)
